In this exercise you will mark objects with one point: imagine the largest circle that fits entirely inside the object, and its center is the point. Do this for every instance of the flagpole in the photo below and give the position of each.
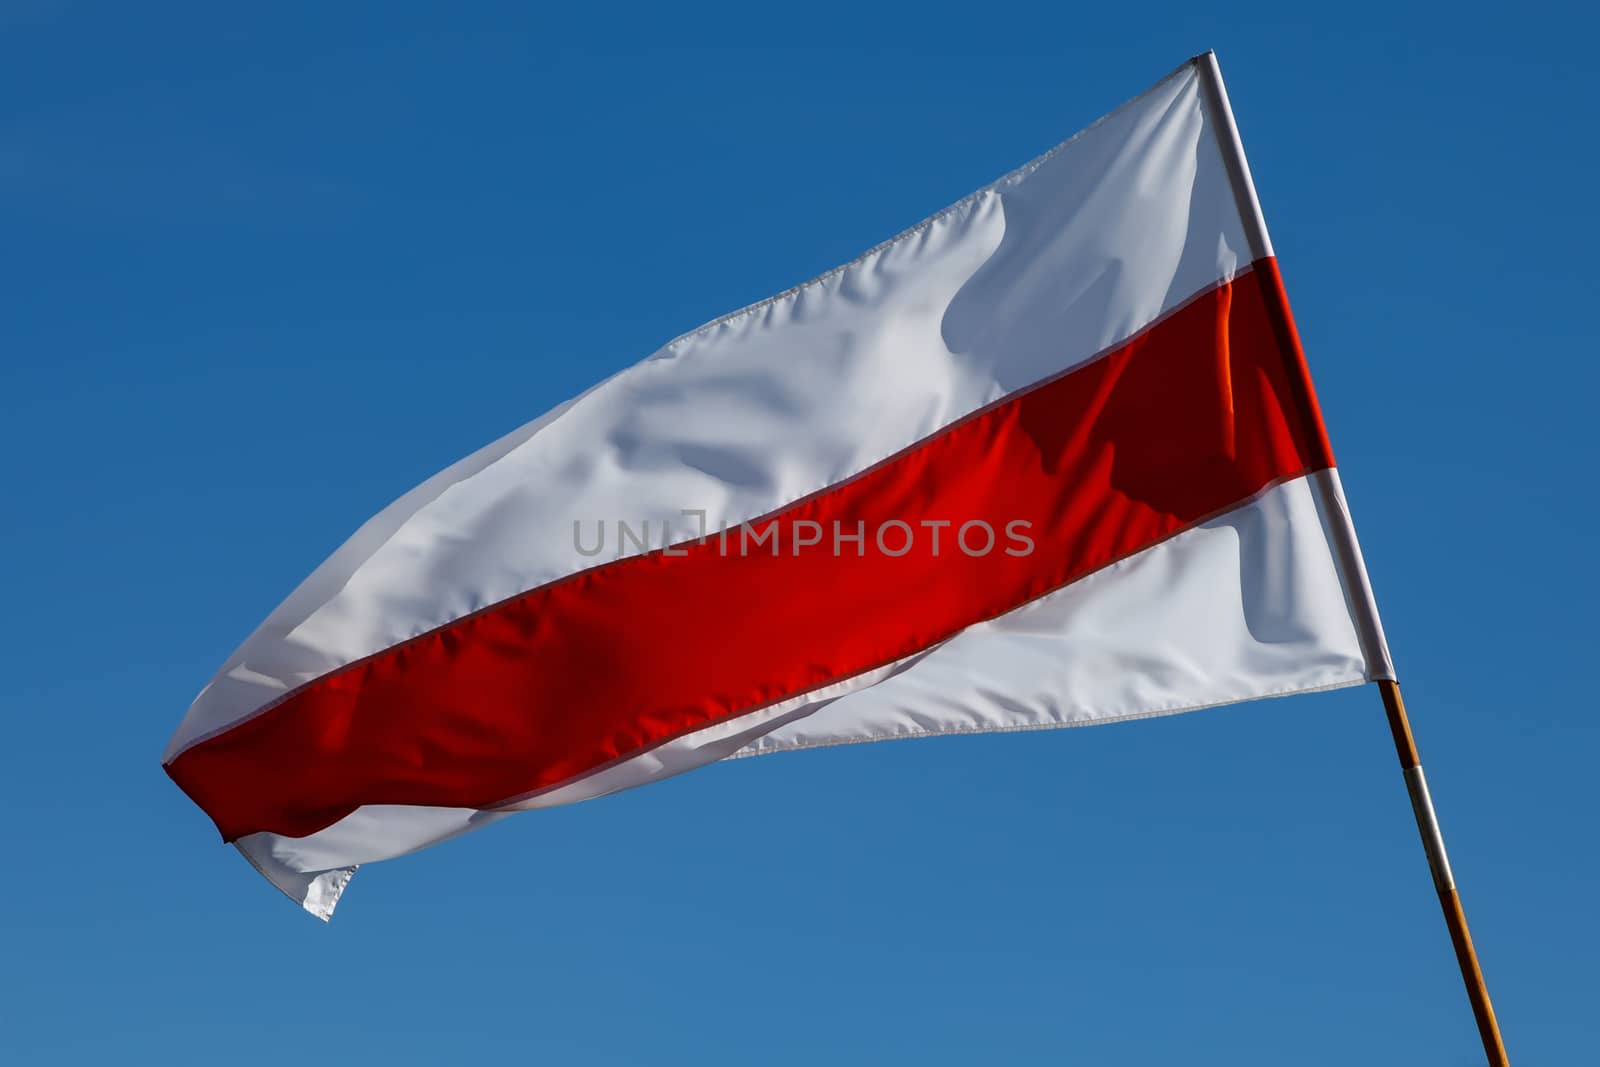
(1353, 572)
(1455, 918)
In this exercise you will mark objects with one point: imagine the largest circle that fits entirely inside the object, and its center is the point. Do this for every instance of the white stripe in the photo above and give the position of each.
(1246, 605)
(1034, 274)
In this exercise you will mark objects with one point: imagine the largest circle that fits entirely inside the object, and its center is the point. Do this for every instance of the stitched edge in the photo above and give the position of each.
(325, 912)
(1154, 713)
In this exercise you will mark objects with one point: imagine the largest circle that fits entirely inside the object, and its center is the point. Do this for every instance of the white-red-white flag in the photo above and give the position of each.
(1049, 458)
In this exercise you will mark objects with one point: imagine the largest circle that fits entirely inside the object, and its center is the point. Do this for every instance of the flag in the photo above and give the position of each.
(1049, 458)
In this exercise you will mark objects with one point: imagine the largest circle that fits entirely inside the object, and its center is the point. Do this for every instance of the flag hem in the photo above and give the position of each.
(1156, 713)
(329, 897)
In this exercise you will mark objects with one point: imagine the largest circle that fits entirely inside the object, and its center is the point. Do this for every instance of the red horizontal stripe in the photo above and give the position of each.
(1191, 418)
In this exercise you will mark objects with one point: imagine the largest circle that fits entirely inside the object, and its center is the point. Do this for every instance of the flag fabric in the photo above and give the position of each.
(1049, 458)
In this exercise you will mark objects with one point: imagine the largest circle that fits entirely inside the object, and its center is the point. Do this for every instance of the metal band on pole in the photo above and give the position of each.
(1351, 570)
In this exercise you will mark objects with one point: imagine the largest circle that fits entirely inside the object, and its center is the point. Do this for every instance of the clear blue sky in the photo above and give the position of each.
(263, 272)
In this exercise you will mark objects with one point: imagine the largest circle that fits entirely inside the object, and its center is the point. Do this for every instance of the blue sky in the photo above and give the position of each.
(265, 271)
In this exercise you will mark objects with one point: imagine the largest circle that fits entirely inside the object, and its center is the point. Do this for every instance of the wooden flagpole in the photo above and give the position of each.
(1455, 918)
(1349, 558)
